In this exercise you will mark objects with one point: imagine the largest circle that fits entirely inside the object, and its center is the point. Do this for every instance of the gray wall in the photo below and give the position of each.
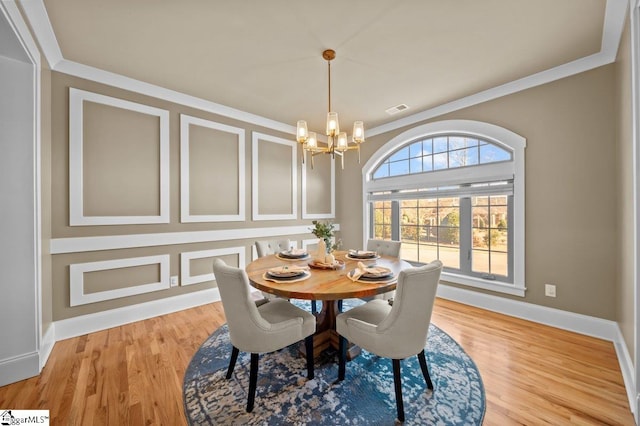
(571, 203)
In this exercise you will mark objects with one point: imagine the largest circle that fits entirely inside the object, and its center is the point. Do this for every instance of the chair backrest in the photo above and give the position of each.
(385, 247)
(267, 247)
(246, 325)
(406, 327)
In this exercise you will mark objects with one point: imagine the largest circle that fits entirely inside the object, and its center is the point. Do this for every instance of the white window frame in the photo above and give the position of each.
(514, 169)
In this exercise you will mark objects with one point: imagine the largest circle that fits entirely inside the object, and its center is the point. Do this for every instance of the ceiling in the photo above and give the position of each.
(264, 57)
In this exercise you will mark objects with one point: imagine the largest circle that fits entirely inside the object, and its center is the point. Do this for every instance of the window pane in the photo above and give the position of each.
(471, 156)
(480, 261)
(428, 202)
(490, 245)
(409, 251)
(499, 200)
(450, 256)
(415, 165)
(409, 233)
(440, 145)
(383, 171)
(399, 168)
(428, 253)
(463, 157)
(427, 163)
(440, 161)
(499, 263)
(403, 154)
(456, 142)
(490, 154)
(427, 146)
(415, 150)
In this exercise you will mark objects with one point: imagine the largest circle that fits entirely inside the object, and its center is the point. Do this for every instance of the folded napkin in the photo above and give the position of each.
(288, 269)
(371, 271)
(362, 253)
(296, 252)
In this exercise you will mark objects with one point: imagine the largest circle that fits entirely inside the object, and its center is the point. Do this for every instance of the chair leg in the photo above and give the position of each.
(232, 361)
(340, 305)
(308, 344)
(253, 381)
(342, 356)
(397, 381)
(425, 369)
(314, 307)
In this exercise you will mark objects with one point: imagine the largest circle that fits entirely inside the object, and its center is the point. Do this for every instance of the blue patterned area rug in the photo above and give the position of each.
(366, 397)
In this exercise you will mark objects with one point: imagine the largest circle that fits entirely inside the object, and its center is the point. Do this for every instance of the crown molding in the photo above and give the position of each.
(615, 12)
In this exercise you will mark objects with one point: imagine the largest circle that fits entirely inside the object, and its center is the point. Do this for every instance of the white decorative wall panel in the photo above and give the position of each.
(260, 138)
(186, 215)
(186, 257)
(305, 213)
(77, 271)
(76, 174)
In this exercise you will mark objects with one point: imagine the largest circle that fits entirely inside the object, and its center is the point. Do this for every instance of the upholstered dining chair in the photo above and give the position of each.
(265, 248)
(385, 248)
(268, 327)
(395, 331)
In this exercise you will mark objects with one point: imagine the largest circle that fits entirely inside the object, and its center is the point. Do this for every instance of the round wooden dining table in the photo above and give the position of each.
(327, 285)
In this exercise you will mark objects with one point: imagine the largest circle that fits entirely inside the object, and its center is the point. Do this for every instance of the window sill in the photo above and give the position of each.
(484, 284)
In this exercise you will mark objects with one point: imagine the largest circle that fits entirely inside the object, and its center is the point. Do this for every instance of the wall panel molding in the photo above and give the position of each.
(305, 213)
(257, 139)
(77, 271)
(114, 242)
(187, 257)
(185, 214)
(77, 217)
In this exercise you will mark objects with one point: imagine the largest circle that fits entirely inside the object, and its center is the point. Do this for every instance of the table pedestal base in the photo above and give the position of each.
(326, 336)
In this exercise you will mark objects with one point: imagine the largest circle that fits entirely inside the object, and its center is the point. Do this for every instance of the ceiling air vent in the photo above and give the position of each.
(396, 109)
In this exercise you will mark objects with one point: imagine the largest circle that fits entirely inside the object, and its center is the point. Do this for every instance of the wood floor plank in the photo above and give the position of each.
(132, 375)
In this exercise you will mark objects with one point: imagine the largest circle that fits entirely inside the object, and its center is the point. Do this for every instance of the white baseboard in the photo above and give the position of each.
(84, 324)
(578, 323)
(626, 367)
(19, 368)
(583, 324)
(46, 345)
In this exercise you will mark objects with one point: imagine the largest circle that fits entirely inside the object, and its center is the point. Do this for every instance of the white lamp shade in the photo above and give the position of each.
(333, 127)
(302, 134)
(358, 131)
(312, 141)
(342, 141)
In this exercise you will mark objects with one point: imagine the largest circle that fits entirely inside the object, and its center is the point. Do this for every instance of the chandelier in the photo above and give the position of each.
(337, 141)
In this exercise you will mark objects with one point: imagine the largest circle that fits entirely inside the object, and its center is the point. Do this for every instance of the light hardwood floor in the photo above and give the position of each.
(133, 374)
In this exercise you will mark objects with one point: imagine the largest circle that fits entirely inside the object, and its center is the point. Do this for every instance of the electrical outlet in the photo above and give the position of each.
(550, 290)
(174, 281)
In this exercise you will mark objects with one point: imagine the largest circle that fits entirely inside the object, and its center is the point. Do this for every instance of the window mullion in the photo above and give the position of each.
(510, 228)
(465, 235)
(395, 220)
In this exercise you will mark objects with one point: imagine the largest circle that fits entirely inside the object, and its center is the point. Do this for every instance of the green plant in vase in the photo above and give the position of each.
(325, 231)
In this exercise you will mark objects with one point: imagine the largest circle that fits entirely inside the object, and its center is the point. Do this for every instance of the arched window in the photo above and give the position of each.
(452, 190)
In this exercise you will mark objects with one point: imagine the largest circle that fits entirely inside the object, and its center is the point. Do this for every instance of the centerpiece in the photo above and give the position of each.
(325, 231)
